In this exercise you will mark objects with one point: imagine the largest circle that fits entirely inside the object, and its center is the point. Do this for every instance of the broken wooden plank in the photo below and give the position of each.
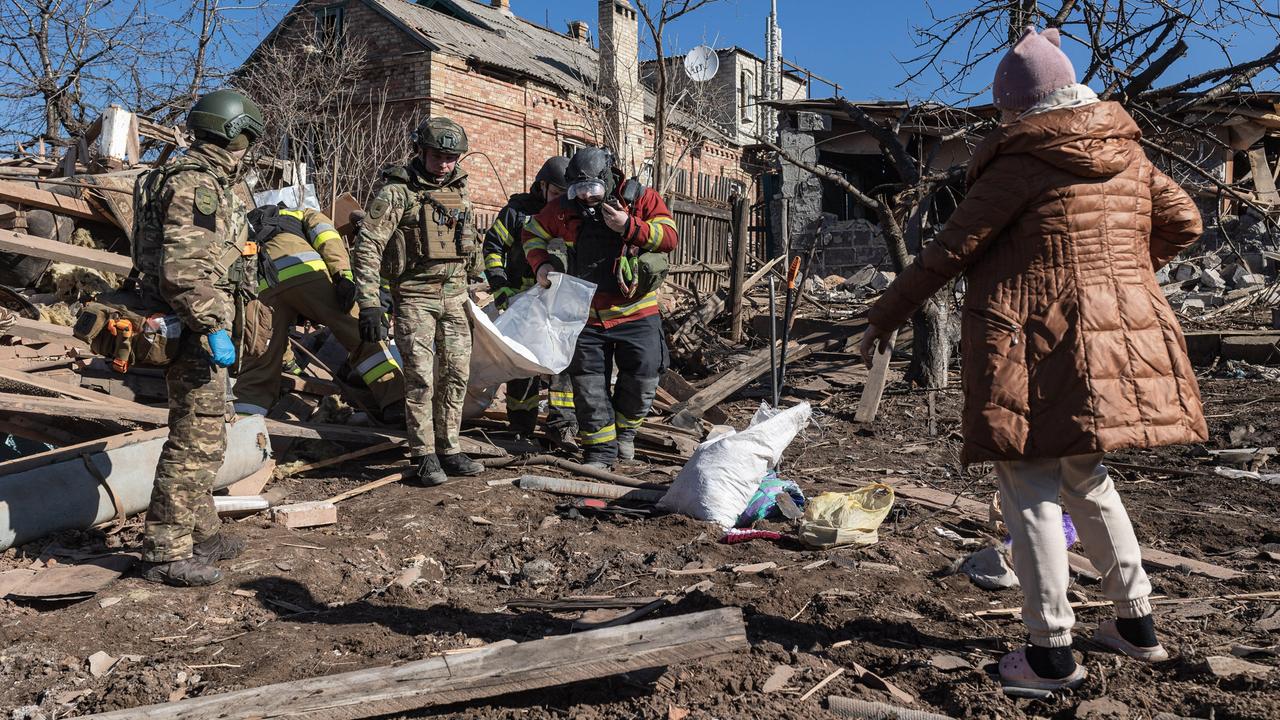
(345, 457)
(305, 514)
(34, 381)
(33, 197)
(714, 305)
(487, 672)
(124, 411)
(39, 331)
(47, 249)
(394, 477)
(681, 389)
(873, 389)
(688, 412)
(253, 484)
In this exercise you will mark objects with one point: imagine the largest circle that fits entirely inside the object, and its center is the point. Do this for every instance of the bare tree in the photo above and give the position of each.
(658, 16)
(320, 110)
(63, 61)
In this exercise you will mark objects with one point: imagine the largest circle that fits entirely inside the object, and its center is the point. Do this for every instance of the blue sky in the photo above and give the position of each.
(857, 43)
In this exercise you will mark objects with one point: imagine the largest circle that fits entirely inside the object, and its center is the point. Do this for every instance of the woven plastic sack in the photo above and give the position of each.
(719, 480)
(851, 518)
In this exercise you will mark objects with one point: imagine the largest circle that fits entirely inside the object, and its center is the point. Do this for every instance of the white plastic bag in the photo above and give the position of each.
(535, 336)
(718, 481)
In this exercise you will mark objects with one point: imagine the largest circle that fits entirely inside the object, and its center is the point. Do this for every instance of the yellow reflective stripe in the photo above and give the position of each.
(664, 220)
(324, 237)
(503, 232)
(493, 260)
(626, 423)
(562, 399)
(607, 434)
(617, 311)
(377, 371)
(535, 244)
(301, 268)
(536, 228)
(292, 213)
(514, 403)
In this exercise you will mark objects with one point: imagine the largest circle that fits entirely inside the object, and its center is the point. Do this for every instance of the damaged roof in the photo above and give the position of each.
(490, 36)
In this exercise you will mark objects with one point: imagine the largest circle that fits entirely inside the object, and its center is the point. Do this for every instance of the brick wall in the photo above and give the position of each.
(513, 124)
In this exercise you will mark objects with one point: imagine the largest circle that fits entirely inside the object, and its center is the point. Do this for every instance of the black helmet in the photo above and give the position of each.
(590, 173)
(440, 133)
(553, 171)
(224, 115)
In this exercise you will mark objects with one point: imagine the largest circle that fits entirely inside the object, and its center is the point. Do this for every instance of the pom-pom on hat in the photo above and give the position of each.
(1033, 68)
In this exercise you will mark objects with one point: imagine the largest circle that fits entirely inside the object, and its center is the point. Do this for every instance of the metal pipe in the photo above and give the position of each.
(773, 338)
(571, 466)
(867, 710)
(43, 499)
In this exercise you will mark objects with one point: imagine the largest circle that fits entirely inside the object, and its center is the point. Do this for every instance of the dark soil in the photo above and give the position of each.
(313, 602)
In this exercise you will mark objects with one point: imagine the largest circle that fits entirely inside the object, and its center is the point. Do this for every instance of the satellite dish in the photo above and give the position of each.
(701, 63)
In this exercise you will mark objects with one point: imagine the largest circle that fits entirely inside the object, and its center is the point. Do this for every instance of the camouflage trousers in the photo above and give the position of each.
(434, 338)
(181, 512)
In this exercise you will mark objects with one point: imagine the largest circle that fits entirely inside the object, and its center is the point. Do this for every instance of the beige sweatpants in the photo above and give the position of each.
(1029, 495)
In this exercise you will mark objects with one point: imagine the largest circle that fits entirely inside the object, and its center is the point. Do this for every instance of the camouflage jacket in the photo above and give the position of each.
(395, 204)
(205, 233)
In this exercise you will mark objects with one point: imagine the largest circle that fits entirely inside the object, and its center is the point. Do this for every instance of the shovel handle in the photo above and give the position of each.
(793, 272)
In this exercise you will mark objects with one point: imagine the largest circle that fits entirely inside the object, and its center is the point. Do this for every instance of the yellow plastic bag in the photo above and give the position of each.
(851, 518)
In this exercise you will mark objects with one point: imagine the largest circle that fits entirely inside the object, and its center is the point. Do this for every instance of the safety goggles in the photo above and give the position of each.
(586, 190)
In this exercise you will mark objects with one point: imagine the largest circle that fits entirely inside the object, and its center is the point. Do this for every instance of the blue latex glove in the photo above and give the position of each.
(222, 350)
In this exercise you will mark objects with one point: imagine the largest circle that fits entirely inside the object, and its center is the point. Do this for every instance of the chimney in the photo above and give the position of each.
(503, 5)
(620, 82)
(579, 30)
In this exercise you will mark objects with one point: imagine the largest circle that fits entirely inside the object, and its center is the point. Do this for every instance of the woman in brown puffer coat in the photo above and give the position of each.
(1069, 348)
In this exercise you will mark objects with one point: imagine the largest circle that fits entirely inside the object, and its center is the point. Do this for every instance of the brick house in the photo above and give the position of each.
(525, 92)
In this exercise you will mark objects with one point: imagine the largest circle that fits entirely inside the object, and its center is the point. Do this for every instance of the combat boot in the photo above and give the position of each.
(188, 572)
(564, 437)
(429, 472)
(458, 464)
(223, 546)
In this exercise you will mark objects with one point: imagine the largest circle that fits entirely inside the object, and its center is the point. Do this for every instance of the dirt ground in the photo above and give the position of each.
(312, 602)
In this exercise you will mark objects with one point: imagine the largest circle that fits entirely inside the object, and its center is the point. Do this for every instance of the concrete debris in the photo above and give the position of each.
(1226, 666)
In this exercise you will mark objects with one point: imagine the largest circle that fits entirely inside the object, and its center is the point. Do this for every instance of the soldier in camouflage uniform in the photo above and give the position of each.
(193, 265)
(419, 235)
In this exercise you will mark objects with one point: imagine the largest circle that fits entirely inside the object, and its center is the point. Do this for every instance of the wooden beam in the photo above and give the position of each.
(687, 413)
(71, 391)
(485, 673)
(683, 206)
(43, 332)
(873, 389)
(119, 410)
(93, 258)
(737, 276)
(33, 197)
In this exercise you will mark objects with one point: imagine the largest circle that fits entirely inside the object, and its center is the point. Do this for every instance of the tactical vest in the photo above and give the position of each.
(237, 269)
(437, 227)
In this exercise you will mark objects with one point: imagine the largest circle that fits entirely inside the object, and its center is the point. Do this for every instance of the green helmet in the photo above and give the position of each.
(223, 115)
(440, 133)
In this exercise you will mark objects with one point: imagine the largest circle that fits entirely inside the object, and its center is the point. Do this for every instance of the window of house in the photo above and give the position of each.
(746, 95)
(569, 146)
(329, 22)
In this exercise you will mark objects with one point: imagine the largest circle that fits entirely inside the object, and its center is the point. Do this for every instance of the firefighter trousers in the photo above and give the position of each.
(258, 385)
(605, 414)
(525, 395)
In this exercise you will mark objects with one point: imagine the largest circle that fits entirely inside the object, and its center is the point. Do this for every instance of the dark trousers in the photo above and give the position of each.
(525, 395)
(605, 414)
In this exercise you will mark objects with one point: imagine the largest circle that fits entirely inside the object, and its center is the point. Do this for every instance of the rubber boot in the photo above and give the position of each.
(458, 464)
(429, 472)
(626, 447)
(223, 546)
(188, 572)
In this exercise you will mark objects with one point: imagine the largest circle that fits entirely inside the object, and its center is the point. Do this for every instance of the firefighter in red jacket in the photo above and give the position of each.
(615, 235)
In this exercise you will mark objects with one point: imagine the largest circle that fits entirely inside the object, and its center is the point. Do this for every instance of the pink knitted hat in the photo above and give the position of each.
(1035, 67)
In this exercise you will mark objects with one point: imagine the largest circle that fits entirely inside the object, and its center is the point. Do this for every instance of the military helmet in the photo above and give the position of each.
(590, 174)
(440, 133)
(223, 115)
(553, 171)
